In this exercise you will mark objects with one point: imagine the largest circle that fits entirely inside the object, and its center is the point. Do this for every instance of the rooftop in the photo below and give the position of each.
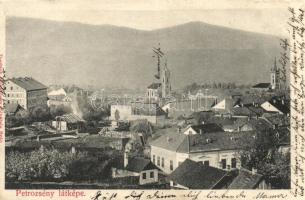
(262, 85)
(137, 164)
(206, 128)
(216, 141)
(245, 180)
(28, 83)
(195, 175)
(154, 86)
(70, 118)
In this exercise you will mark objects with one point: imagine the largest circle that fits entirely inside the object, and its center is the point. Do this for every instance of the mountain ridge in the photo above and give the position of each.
(120, 56)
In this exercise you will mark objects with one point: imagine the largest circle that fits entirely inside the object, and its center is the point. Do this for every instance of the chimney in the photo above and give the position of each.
(254, 171)
(179, 130)
(283, 102)
(125, 158)
(200, 131)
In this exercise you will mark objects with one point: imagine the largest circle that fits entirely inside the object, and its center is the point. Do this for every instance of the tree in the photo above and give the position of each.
(42, 164)
(142, 126)
(261, 152)
(58, 110)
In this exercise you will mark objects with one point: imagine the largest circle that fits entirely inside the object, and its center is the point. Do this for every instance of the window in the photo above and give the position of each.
(8, 101)
(144, 175)
(171, 165)
(151, 175)
(11, 88)
(158, 161)
(224, 163)
(233, 162)
(162, 163)
(8, 95)
(154, 159)
(206, 163)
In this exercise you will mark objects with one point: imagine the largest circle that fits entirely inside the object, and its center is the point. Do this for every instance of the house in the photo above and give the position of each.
(27, 92)
(154, 92)
(58, 94)
(59, 97)
(68, 122)
(202, 128)
(216, 149)
(262, 87)
(137, 111)
(142, 168)
(277, 105)
(197, 175)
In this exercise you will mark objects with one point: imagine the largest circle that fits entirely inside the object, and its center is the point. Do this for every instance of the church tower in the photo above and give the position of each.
(275, 77)
(165, 81)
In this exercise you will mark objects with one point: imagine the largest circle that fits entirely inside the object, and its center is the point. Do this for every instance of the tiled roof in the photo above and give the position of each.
(70, 118)
(154, 86)
(245, 180)
(262, 85)
(28, 83)
(183, 143)
(139, 164)
(195, 175)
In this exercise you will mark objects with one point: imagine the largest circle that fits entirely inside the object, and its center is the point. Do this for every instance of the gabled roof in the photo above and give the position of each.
(245, 180)
(206, 128)
(70, 118)
(139, 164)
(195, 175)
(262, 85)
(280, 104)
(28, 83)
(154, 86)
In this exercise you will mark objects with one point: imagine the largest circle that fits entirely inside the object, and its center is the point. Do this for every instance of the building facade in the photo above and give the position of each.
(218, 150)
(27, 92)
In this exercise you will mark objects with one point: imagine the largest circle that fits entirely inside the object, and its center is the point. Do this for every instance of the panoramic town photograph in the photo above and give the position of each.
(146, 100)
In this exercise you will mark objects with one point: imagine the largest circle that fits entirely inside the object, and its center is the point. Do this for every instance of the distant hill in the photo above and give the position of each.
(105, 55)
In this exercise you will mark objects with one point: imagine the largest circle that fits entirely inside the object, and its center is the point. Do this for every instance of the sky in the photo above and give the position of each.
(262, 16)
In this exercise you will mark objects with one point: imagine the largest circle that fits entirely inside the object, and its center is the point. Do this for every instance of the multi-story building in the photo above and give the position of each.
(216, 149)
(26, 92)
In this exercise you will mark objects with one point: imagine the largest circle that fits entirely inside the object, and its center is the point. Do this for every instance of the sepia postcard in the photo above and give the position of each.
(136, 100)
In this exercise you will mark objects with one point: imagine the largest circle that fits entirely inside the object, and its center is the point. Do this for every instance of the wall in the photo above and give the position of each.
(125, 113)
(15, 94)
(37, 98)
(214, 158)
(148, 179)
(60, 125)
(167, 155)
